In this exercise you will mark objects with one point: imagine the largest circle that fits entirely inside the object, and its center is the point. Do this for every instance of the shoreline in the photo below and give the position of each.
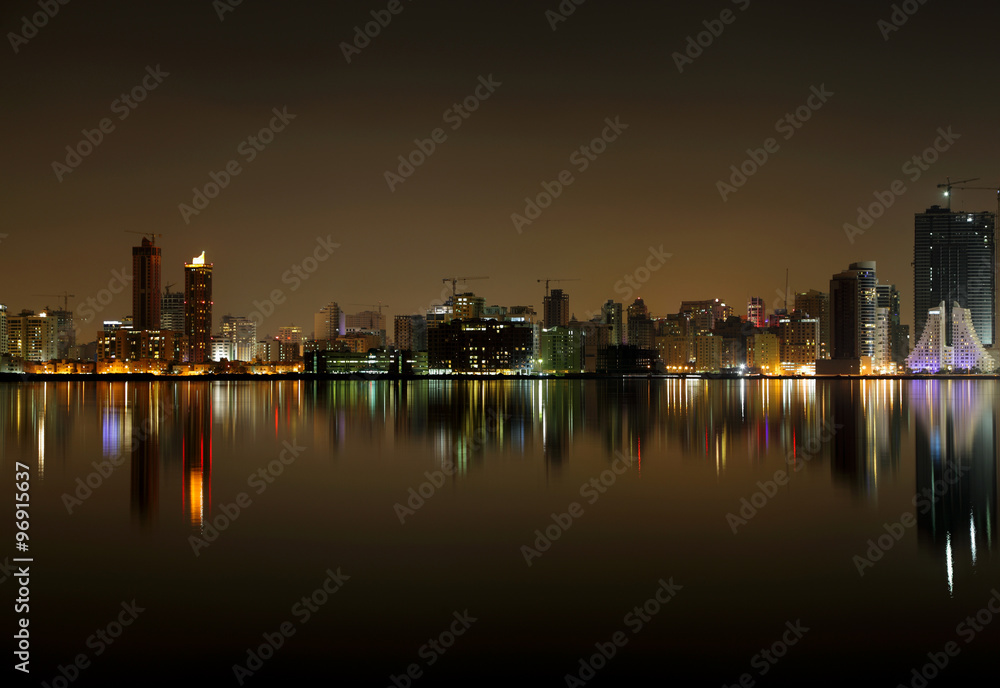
(247, 377)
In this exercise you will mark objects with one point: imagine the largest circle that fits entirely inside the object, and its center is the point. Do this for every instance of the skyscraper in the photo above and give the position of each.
(556, 309)
(329, 323)
(198, 308)
(3, 329)
(816, 304)
(172, 311)
(612, 316)
(241, 334)
(756, 315)
(853, 300)
(146, 286)
(954, 260)
(898, 334)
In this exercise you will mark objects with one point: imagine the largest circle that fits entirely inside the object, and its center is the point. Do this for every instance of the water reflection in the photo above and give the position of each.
(174, 432)
(956, 472)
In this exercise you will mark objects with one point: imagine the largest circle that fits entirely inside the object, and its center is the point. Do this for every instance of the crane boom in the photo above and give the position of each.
(551, 279)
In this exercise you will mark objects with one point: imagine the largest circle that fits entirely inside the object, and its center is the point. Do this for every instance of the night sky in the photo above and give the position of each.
(324, 173)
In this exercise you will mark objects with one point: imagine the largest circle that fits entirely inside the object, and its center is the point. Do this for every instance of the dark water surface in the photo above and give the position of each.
(824, 467)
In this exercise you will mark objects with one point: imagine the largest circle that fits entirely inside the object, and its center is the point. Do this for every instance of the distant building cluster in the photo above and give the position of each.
(853, 327)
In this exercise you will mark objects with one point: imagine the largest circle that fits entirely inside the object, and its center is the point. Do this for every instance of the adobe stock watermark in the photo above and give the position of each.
(249, 148)
(363, 36)
(302, 610)
(224, 7)
(768, 490)
(765, 660)
(99, 642)
(581, 159)
(30, 26)
(294, 276)
(418, 496)
(629, 284)
(635, 621)
(591, 491)
(894, 532)
(914, 169)
(230, 512)
(563, 12)
(967, 630)
(122, 106)
(901, 14)
(787, 126)
(697, 45)
(455, 116)
(434, 649)
(119, 282)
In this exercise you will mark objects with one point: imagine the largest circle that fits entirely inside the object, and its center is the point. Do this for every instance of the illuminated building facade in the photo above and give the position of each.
(198, 308)
(481, 347)
(172, 311)
(756, 312)
(32, 337)
(853, 300)
(561, 350)
(966, 353)
(816, 304)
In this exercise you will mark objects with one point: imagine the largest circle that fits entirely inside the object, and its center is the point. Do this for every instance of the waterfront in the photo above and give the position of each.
(326, 471)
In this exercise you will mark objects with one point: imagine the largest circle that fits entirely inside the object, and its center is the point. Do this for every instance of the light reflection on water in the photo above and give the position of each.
(188, 447)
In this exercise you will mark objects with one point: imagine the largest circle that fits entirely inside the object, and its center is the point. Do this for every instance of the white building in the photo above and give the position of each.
(931, 354)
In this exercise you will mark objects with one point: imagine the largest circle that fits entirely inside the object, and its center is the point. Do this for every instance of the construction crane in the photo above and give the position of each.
(565, 279)
(370, 305)
(65, 296)
(994, 189)
(948, 186)
(145, 234)
(455, 280)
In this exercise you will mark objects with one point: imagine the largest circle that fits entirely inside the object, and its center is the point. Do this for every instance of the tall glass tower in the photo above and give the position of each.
(954, 259)
(853, 302)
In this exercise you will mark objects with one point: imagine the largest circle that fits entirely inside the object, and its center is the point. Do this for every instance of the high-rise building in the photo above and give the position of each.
(798, 340)
(954, 260)
(853, 300)
(897, 335)
(3, 329)
(329, 323)
(932, 354)
(467, 305)
(146, 286)
(172, 311)
(756, 312)
(370, 321)
(241, 334)
(556, 309)
(291, 336)
(612, 314)
(641, 331)
(198, 308)
(816, 304)
(704, 314)
(32, 337)
(410, 333)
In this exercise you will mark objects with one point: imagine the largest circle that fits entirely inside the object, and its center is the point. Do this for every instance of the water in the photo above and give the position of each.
(824, 467)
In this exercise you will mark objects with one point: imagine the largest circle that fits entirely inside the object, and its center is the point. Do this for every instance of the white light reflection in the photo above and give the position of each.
(950, 564)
